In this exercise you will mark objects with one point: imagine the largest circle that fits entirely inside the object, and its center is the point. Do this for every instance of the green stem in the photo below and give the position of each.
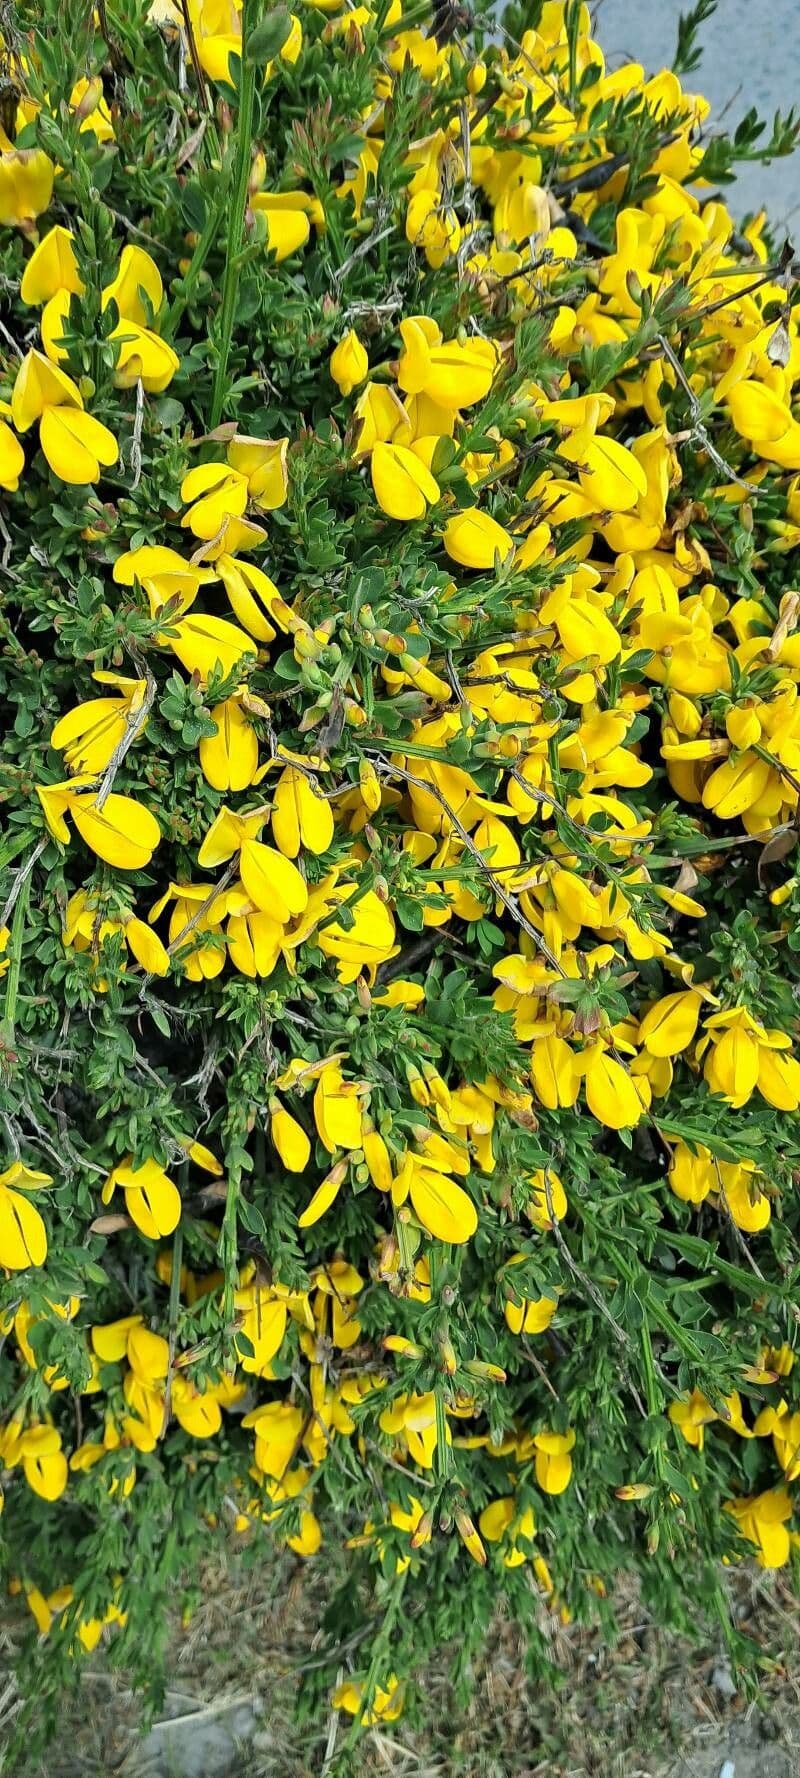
(175, 1281)
(229, 1246)
(381, 1652)
(204, 245)
(15, 964)
(230, 281)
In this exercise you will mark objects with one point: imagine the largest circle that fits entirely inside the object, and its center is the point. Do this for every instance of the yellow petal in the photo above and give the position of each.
(23, 1236)
(290, 1139)
(403, 486)
(443, 1207)
(136, 273)
(263, 461)
(272, 882)
(736, 785)
(146, 947)
(12, 459)
(474, 539)
(611, 1094)
(613, 477)
(349, 363)
(76, 445)
(52, 267)
(40, 384)
(202, 643)
(322, 1200)
(155, 1207)
(669, 1027)
(123, 833)
(300, 815)
(229, 758)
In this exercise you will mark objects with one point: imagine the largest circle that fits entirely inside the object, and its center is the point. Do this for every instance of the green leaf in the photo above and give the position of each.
(269, 36)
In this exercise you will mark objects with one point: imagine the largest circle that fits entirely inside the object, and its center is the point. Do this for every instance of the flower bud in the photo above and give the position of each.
(469, 1536)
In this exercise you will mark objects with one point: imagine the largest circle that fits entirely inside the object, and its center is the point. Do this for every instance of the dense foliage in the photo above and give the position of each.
(399, 780)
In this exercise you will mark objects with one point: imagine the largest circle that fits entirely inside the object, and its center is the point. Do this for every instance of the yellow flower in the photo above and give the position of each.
(337, 1110)
(278, 1427)
(387, 1698)
(528, 1315)
(451, 374)
(88, 734)
(12, 458)
(668, 1026)
(289, 1137)
(76, 445)
(263, 1318)
(164, 575)
(553, 1463)
(443, 1207)
(691, 1416)
(229, 757)
(51, 268)
(404, 487)
(124, 834)
(214, 492)
(301, 815)
(433, 226)
(263, 461)
(365, 942)
(612, 1095)
(23, 1236)
(152, 1201)
(137, 275)
(44, 1464)
(476, 540)
(548, 1199)
(26, 186)
(349, 363)
(204, 644)
(286, 221)
(761, 1519)
(39, 384)
(143, 358)
(502, 1521)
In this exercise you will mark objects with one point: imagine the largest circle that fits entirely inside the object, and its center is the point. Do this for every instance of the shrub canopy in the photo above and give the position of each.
(400, 784)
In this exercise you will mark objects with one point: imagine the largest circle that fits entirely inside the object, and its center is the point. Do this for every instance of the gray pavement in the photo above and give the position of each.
(751, 56)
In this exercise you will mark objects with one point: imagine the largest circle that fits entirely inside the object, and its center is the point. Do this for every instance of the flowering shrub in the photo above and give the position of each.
(400, 790)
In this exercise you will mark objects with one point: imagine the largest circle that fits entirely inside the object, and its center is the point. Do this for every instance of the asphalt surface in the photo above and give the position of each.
(751, 57)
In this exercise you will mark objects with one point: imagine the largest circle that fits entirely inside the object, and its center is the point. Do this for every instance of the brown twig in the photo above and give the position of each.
(196, 63)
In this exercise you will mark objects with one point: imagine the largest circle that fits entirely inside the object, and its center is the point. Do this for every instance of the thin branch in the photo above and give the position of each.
(589, 1288)
(394, 771)
(174, 1311)
(136, 441)
(133, 727)
(216, 889)
(196, 63)
(699, 430)
(592, 178)
(21, 877)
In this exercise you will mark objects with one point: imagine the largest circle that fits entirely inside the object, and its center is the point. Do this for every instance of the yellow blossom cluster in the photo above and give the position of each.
(412, 984)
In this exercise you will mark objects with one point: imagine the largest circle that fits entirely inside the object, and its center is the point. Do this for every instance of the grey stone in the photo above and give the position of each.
(201, 1743)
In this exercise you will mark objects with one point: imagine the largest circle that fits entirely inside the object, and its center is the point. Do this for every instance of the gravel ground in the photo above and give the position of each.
(751, 57)
(636, 1702)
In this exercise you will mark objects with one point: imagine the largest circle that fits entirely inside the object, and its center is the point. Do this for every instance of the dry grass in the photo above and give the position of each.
(648, 1705)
